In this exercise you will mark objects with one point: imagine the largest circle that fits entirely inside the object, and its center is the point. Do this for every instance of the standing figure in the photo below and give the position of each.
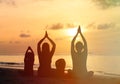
(45, 56)
(79, 53)
(29, 62)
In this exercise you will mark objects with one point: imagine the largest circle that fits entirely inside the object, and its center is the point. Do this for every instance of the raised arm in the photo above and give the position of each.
(84, 40)
(31, 50)
(52, 42)
(25, 58)
(72, 44)
(38, 46)
(53, 45)
(26, 51)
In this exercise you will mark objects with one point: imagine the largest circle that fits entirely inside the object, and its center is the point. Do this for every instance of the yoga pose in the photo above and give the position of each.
(29, 62)
(79, 54)
(45, 56)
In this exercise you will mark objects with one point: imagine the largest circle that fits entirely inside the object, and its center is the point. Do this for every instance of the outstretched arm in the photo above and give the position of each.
(84, 40)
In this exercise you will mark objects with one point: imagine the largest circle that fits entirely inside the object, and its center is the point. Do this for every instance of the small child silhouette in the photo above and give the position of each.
(60, 67)
(29, 62)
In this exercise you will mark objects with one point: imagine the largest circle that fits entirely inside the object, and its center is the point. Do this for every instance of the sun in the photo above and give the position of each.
(73, 31)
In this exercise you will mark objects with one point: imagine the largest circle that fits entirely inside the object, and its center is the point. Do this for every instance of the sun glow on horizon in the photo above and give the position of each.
(73, 31)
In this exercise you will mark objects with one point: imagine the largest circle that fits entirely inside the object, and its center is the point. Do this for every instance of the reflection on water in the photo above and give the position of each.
(102, 65)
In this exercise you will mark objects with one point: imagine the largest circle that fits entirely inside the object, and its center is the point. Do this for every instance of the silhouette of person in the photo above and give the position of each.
(29, 62)
(79, 54)
(60, 67)
(45, 56)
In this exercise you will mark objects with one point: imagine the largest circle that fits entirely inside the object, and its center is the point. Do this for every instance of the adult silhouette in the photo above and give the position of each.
(79, 52)
(29, 62)
(45, 56)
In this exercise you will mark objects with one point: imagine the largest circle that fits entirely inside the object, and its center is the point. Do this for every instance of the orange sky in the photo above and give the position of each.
(24, 22)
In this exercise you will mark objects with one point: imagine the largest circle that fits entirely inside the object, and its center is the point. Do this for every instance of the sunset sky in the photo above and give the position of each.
(24, 22)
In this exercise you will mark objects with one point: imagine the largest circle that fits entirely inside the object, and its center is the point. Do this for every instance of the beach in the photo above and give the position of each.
(15, 76)
(59, 42)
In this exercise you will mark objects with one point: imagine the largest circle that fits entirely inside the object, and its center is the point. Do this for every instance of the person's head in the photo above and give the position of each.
(60, 64)
(79, 46)
(45, 47)
(29, 55)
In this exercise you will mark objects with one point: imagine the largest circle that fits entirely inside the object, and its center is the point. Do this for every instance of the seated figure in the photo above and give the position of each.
(60, 68)
(79, 52)
(29, 62)
(45, 55)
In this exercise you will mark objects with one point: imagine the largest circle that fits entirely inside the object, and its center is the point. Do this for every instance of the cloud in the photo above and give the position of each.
(91, 26)
(23, 35)
(17, 3)
(8, 2)
(69, 25)
(56, 26)
(104, 4)
(106, 26)
(103, 26)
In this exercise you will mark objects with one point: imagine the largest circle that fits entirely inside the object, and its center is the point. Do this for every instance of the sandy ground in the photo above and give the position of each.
(15, 76)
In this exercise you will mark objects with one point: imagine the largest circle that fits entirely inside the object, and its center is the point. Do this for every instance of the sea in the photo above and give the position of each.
(100, 64)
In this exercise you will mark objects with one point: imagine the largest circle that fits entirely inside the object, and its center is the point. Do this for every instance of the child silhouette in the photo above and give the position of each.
(29, 62)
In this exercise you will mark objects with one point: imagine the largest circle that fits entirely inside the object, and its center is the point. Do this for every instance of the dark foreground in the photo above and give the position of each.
(15, 76)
